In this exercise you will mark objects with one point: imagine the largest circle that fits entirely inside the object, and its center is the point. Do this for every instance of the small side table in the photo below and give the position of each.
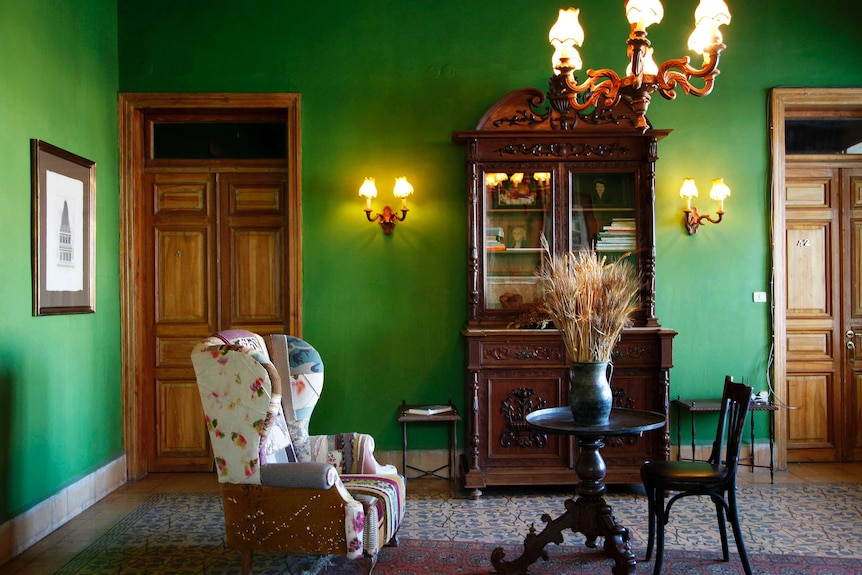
(451, 417)
(695, 406)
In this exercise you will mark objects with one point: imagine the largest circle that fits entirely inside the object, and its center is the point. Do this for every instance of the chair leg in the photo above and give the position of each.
(722, 527)
(651, 494)
(661, 520)
(733, 517)
(246, 561)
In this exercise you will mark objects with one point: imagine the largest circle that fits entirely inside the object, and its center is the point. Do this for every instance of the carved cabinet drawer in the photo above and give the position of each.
(526, 353)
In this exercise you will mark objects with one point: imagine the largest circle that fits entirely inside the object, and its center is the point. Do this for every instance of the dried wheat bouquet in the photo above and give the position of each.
(590, 300)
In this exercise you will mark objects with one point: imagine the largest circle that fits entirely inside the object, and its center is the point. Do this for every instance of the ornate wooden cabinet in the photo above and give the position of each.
(534, 180)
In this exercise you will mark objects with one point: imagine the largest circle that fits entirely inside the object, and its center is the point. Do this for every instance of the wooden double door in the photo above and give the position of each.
(210, 231)
(217, 250)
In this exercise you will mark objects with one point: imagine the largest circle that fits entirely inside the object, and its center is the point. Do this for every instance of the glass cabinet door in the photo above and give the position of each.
(517, 215)
(603, 212)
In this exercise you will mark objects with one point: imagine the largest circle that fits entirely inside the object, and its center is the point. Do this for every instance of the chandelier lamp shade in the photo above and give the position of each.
(387, 218)
(603, 88)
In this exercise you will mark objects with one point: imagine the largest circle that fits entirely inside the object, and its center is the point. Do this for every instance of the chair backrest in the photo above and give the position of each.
(301, 369)
(240, 393)
(735, 403)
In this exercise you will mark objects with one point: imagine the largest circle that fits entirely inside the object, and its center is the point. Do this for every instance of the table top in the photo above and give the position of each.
(714, 404)
(622, 422)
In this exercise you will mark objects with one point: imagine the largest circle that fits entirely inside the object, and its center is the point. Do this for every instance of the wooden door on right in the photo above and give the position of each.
(823, 243)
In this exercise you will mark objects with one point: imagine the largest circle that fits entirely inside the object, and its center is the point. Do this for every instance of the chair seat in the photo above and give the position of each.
(679, 475)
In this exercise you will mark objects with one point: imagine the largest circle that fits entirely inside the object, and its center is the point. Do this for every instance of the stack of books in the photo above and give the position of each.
(618, 236)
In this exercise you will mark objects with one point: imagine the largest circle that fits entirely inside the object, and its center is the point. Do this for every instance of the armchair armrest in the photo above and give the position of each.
(310, 475)
(350, 453)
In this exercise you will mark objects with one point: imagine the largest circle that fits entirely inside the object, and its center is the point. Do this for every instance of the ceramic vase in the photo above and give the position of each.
(590, 396)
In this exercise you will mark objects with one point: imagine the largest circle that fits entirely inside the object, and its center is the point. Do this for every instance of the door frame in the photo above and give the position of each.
(134, 332)
(793, 103)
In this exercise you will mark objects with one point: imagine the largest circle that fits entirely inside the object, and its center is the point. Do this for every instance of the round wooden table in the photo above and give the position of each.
(589, 514)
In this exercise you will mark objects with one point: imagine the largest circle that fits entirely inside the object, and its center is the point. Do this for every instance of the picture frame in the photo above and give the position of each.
(515, 197)
(63, 231)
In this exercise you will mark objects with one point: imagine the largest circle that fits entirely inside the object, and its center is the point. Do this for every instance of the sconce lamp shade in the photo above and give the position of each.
(564, 35)
(517, 178)
(643, 13)
(688, 189)
(402, 188)
(368, 189)
(719, 192)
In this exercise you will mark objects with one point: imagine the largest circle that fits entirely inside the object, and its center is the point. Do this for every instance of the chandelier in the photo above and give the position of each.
(604, 88)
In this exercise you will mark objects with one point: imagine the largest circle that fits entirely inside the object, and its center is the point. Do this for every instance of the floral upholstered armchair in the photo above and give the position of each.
(277, 497)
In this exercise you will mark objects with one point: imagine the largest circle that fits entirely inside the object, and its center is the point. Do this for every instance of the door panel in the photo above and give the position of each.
(852, 185)
(813, 313)
(181, 268)
(184, 291)
(254, 246)
(180, 433)
(823, 236)
(809, 426)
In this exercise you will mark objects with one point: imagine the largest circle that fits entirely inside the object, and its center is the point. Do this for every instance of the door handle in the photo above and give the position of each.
(851, 347)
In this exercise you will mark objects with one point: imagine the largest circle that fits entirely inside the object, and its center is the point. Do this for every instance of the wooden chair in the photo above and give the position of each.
(714, 478)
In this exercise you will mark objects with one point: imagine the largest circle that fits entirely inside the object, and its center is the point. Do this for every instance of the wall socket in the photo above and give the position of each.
(759, 297)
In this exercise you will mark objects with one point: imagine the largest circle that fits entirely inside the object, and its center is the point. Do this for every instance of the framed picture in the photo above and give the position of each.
(64, 231)
(516, 193)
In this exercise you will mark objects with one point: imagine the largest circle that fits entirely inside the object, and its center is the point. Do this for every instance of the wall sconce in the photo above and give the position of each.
(693, 220)
(388, 217)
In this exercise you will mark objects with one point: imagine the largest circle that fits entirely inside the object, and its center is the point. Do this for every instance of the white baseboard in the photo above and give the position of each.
(19, 533)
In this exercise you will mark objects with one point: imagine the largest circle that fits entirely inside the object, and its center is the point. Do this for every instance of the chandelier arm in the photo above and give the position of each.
(599, 83)
(678, 72)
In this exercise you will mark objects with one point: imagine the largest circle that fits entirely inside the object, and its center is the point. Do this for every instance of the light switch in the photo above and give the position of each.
(760, 296)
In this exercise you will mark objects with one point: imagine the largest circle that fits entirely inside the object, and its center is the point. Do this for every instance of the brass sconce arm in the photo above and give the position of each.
(693, 220)
(387, 218)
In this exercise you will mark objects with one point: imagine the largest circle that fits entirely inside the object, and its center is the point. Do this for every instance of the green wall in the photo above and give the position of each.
(383, 85)
(60, 408)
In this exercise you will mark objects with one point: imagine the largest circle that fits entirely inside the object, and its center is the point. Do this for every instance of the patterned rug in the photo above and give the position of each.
(183, 534)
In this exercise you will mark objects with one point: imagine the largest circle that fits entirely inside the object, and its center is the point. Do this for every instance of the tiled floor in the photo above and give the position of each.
(772, 518)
